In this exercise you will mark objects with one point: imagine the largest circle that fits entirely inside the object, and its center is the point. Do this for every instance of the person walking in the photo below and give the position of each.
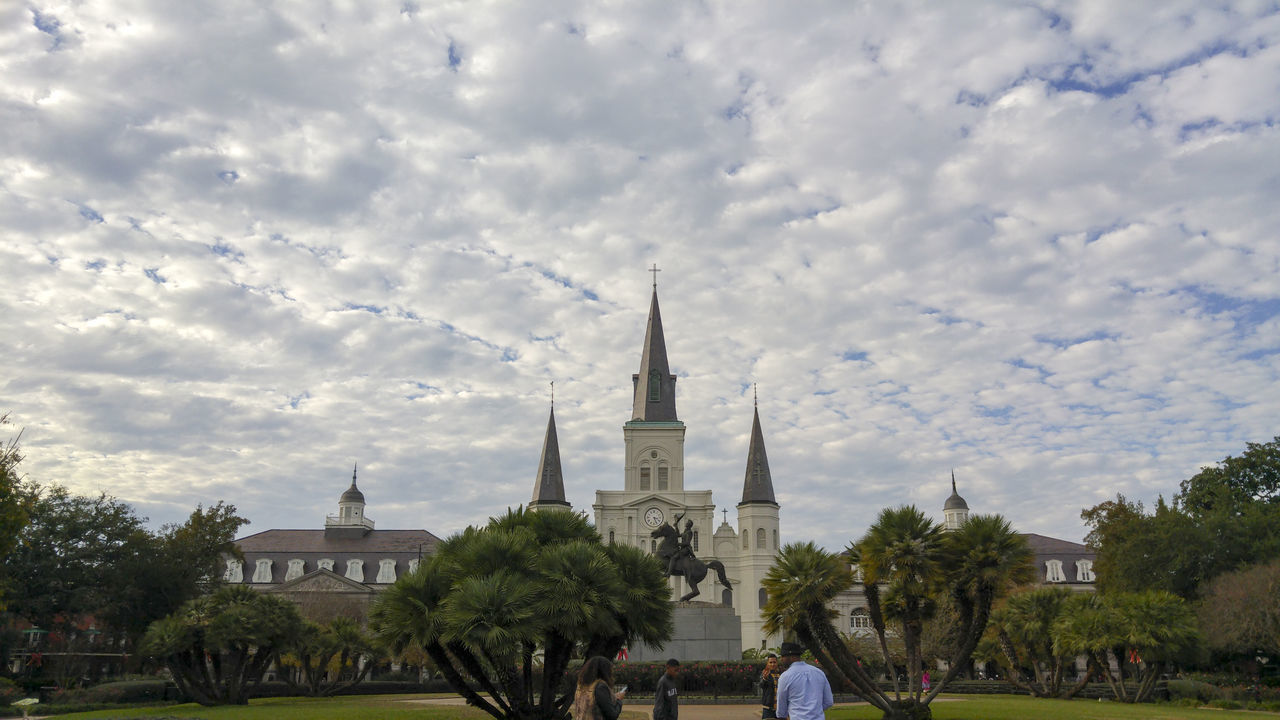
(595, 698)
(924, 682)
(769, 687)
(666, 698)
(803, 690)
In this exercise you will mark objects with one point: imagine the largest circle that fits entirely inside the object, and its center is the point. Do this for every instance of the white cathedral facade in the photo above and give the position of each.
(653, 493)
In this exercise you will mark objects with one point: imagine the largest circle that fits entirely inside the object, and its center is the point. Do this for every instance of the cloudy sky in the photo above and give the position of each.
(244, 245)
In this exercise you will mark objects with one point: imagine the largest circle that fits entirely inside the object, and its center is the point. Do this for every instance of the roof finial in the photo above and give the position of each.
(953, 481)
(655, 272)
(755, 394)
(353, 472)
(553, 394)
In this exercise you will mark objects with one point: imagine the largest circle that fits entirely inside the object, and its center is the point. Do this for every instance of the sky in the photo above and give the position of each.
(245, 245)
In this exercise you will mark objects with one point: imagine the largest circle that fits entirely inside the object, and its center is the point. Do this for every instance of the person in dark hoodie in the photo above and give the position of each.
(666, 699)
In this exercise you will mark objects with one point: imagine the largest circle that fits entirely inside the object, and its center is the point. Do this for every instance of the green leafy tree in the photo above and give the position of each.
(491, 600)
(218, 646)
(1022, 640)
(14, 502)
(69, 557)
(1143, 632)
(181, 562)
(1224, 517)
(327, 659)
(906, 563)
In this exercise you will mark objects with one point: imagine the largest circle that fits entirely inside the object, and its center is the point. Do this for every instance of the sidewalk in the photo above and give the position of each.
(638, 709)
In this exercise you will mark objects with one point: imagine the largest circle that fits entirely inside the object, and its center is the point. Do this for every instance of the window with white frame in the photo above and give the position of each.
(1084, 571)
(1053, 571)
(325, 564)
(262, 571)
(295, 570)
(859, 620)
(386, 571)
(355, 570)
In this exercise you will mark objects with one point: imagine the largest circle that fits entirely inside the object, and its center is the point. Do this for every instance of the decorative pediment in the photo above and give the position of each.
(322, 581)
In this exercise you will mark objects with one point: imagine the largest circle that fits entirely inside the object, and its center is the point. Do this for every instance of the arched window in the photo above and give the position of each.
(644, 477)
(759, 538)
(1053, 571)
(695, 541)
(726, 597)
(386, 571)
(355, 570)
(859, 620)
(653, 546)
(746, 538)
(775, 538)
(610, 537)
(763, 597)
(663, 482)
(655, 385)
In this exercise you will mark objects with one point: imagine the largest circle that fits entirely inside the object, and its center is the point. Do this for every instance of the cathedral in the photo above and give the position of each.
(653, 493)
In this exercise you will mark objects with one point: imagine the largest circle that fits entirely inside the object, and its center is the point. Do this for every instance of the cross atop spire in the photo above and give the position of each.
(654, 385)
(654, 269)
(757, 486)
(353, 473)
(548, 487)
(553, 394)
(755, 395)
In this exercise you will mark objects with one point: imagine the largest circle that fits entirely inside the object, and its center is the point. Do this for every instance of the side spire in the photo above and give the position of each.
(548, 488)
(757, 487)
(655, 386)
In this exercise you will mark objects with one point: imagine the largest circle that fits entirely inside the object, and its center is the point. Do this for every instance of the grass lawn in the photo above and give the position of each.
(396, 707)
(1019, 707)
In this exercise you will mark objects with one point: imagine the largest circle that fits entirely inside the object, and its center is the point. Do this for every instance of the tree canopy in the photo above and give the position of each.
(1224, 517)
(491, 598)
(14, 502)
(916, 564)
(219, 645)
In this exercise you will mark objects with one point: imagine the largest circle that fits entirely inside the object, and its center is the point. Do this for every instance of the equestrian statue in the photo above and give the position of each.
(676, 551)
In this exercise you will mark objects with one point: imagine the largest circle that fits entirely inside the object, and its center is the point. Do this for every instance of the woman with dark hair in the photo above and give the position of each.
(595, 698)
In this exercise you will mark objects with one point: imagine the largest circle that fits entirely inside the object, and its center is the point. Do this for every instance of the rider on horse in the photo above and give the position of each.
(684, 548)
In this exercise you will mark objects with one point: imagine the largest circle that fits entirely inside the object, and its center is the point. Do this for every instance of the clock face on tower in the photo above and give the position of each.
(653, 517)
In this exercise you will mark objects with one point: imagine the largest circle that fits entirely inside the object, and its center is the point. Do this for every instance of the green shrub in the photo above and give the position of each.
(1226, 704)
(1198, 689)
(9, 691)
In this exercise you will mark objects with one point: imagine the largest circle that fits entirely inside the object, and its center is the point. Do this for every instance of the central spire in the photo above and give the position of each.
(757, 486)
(655, 386)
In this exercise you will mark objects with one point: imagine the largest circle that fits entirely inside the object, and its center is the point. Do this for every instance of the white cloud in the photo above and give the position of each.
(244, 246)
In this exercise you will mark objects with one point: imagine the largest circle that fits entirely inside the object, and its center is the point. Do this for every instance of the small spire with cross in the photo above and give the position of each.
(655, 272)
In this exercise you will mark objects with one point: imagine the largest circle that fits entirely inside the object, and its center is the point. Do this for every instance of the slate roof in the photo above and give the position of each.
(314, 541)
(548, 487)
(310, 546)
(1048, 548)
(757, 486)
(653, 359)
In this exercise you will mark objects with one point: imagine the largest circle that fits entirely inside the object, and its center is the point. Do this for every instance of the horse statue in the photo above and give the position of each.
(687, 566)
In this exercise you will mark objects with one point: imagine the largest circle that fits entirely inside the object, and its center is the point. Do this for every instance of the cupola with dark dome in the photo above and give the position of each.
(350, 520)
(955, 511)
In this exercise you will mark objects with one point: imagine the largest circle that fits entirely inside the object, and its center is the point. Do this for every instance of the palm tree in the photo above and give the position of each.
(1023, 632)
(1149, 629)
(906, 562)
(493, 599)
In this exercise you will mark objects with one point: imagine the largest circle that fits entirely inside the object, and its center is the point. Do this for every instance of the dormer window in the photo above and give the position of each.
(325, 564)
(295, 570)
(262, 571)
(235, 571)
(1084, 571)
(1053, 571)
(386, 571)
(355, 570)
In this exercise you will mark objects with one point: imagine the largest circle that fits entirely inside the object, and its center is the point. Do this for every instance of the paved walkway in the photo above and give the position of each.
(688, 711)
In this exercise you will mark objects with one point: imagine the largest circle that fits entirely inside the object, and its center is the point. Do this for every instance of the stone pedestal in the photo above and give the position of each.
(703, 631)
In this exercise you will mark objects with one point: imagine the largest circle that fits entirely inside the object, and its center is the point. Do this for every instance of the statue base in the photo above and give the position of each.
(703, 631)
